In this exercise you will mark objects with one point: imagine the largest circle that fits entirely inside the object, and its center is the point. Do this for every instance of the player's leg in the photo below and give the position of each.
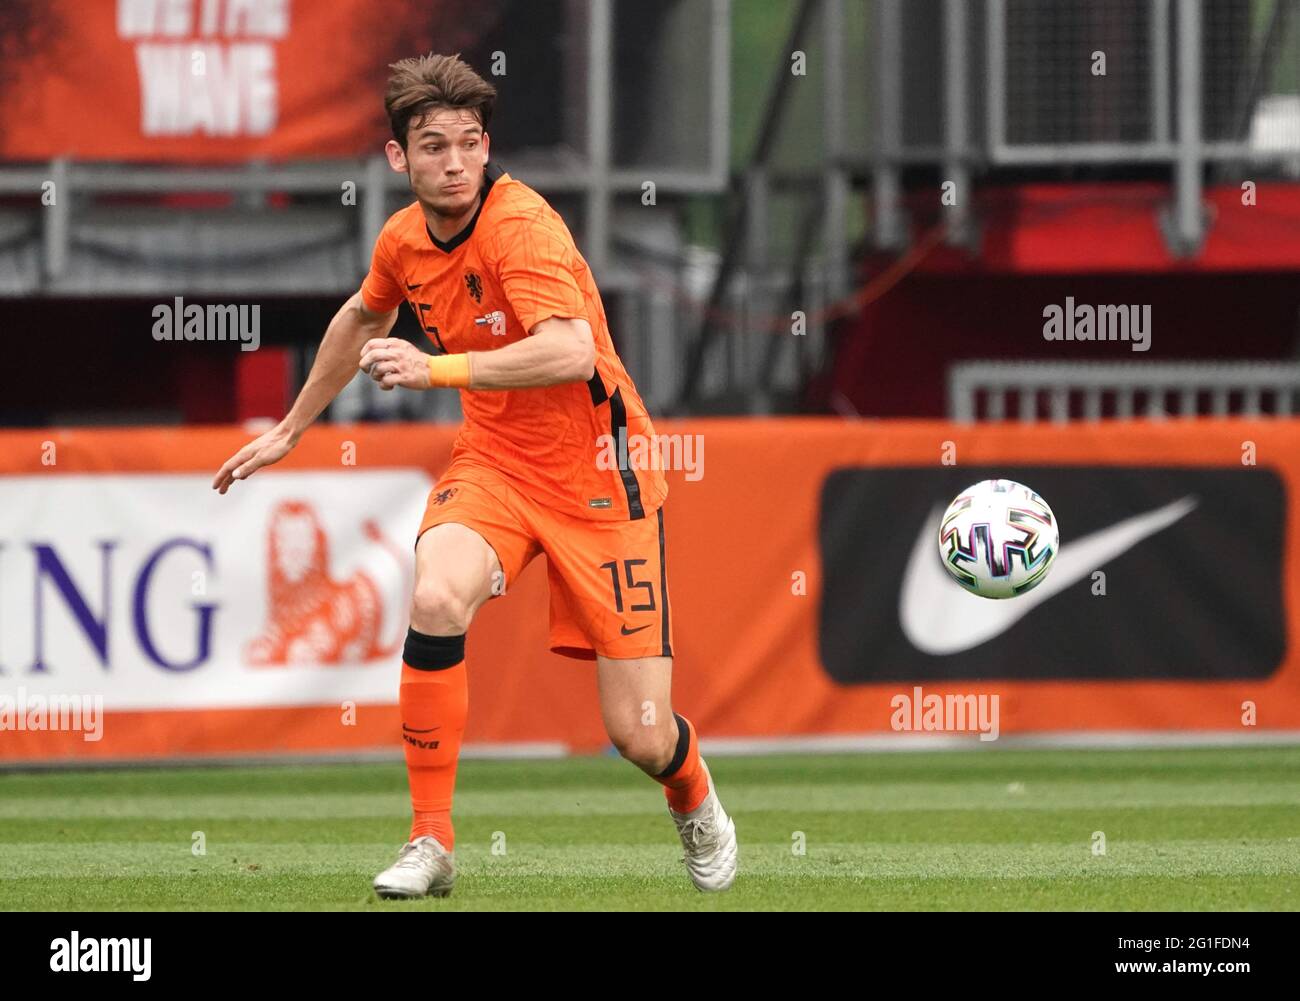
(609, 599)
(470, 546)
(635, 704)
(454, 568)
(635, 707)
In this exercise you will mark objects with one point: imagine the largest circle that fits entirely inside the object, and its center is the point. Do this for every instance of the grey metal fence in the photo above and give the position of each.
(1062, 391)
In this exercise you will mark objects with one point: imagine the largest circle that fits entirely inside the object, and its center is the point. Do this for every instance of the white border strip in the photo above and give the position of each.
(1102, 740)
(539, 750)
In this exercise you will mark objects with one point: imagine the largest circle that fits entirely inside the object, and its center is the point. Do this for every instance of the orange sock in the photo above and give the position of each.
(434, 703)
(684, 780)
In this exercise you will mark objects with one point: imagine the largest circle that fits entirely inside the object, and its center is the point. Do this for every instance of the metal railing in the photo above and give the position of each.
(1063, 391)
(584, 165)
(1163, 44)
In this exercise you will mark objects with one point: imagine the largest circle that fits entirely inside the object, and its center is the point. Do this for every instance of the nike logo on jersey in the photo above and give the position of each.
(412, 288)
(629, 632)
(938, 618)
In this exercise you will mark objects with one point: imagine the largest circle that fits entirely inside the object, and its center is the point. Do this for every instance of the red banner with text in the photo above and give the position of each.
(211, 80)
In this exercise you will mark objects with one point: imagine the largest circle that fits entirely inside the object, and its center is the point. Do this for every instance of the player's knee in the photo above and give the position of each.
(437, 609)
(643, 745)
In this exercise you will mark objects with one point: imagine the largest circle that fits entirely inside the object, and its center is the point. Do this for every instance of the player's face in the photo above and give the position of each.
(446, 155)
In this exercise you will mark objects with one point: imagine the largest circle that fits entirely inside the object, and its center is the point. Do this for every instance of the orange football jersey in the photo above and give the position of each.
(512, 266)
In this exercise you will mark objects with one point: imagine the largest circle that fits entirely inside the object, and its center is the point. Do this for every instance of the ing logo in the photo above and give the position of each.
(311, 617)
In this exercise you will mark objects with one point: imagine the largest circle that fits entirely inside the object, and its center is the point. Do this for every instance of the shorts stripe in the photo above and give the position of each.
(663, 585)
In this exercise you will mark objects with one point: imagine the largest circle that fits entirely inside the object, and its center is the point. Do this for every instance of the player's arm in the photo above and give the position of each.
(335, 365)
(561, 349)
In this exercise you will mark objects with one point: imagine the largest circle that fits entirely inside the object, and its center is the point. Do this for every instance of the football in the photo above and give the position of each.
(998, 539)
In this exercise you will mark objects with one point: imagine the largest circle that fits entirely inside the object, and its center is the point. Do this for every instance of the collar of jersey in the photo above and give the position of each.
(490, 173)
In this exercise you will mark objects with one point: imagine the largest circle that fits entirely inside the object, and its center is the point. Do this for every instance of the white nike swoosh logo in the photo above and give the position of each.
(939, 617)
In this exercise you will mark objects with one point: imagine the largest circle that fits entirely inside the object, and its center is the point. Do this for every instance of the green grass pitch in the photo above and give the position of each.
(992, 829)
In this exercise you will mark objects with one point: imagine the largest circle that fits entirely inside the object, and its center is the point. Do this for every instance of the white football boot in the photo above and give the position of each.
(709, 837)
(423, 867)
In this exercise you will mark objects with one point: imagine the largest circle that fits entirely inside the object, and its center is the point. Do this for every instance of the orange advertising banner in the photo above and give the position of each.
(211, 80)
(801, 559)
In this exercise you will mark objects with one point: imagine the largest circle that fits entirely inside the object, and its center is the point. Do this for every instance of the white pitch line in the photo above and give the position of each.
(1047, 740)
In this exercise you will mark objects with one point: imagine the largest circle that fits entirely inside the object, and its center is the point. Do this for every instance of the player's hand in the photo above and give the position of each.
(261, 451)
(392, 362)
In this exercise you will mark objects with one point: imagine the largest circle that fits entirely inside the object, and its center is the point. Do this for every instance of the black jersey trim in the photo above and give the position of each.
(618, 427)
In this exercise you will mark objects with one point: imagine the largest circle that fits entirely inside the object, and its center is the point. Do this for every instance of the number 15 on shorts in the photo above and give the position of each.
(632, 585)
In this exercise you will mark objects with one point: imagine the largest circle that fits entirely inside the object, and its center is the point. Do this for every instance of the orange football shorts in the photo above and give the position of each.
(607, 579)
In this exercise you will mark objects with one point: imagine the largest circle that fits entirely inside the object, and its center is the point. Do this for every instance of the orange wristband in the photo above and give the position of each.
(449, 371)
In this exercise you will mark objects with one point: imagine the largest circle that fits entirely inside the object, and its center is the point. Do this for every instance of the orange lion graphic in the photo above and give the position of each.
(312, 618)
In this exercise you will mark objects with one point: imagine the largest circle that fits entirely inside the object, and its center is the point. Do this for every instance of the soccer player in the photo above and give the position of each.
(516, 324)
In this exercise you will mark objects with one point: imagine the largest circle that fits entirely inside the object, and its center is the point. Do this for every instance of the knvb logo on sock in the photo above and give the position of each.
(422, 742)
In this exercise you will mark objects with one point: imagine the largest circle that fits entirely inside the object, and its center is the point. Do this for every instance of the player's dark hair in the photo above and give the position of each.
(423, 84)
